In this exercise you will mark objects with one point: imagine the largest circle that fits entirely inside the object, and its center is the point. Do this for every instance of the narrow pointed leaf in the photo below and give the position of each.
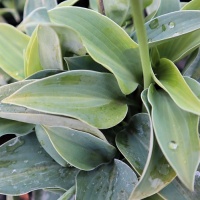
(170, 79)
(11, 40)
(177, 135)
(32, 60)
(114, 181)
(69, 194)
(80, 149)
(33, 169)
(92, 97)
(45, 142)
(109, 45)
(22, 114)
(133, 142)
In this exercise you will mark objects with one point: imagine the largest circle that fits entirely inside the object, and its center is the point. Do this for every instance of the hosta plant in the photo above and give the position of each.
(104, 101)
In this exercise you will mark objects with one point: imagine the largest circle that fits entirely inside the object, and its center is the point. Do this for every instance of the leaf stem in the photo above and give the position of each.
(138, 17)
(101, 7)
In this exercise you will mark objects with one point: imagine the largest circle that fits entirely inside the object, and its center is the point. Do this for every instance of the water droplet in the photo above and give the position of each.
(176, 34)
(149, 40)
(163, 28)
(39, 152)
(154, 24)
(17, 73)
(173, 145)
(14, 171)
(171, 24)
(25, 161)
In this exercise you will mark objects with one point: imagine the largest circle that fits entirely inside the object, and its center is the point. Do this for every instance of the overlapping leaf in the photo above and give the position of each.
(33, 169)
(92, 97)
(177, 135)
(79, 149)
(45, 142)
(22, 114)
(106, 43)
(170, 79)
(114, 181)
(11, 40)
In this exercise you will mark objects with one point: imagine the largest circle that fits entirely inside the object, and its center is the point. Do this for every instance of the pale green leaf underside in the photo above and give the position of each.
(67, 3)
(12, 45)
(114, 181)
(33, 169)
(177, 135)
(83, 151)
(106, 43)
(167, 76)
(23, 114)
(92, 97)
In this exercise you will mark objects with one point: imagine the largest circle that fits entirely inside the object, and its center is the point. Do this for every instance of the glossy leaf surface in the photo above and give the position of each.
(177, 135)
(192, 5)
(32, 170)
(114, 181)
(92, 97)
(106, 43)
(80, 149)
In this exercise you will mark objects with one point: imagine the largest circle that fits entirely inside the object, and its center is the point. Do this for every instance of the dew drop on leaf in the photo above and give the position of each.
(173, 145)
(171, 24)
(154, 24)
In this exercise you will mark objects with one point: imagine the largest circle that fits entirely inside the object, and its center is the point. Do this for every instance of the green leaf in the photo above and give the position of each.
(38, 16)
(45, 142)
(32, 5)
(192, 68)
(106, 43)
(171, 25)
(156, 175)
(25, 166)
(50, 53)
(79, 149)
(168, 77)
(147, 3)
(12, 45)
(133, 142)
(83, 62)
(180, 46)
(177, 135)
(194, 86)
(92, 97)
(117, 10)
(29, 116)
(178, 191)
(32, 60)
(69, 194)
(67, 3)
(167, 6)
(192, 5)
(114, 181)
(14, 127)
